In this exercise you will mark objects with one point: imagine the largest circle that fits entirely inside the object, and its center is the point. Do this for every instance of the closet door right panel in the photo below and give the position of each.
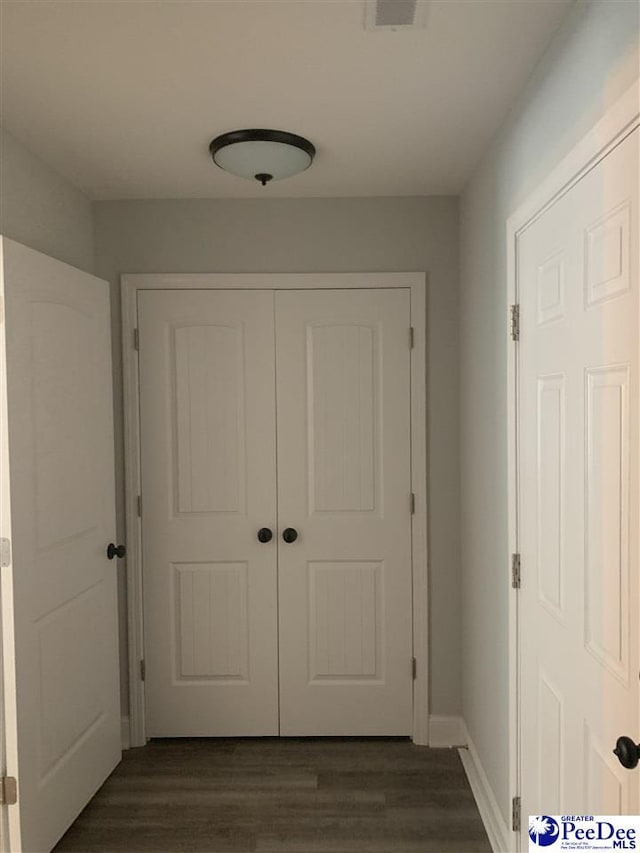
(344, 487)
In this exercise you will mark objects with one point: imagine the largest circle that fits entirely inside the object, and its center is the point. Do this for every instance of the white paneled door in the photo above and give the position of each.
(280, 416)
(59, 604)
(578, 285)
(344, 475)
(207, 408)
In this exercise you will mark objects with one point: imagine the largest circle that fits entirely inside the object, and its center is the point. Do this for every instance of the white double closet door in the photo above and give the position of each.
(277, 410)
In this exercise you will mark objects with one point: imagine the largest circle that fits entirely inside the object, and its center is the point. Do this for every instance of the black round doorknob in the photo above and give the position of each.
(118, 551)
(265, 534)
(628, 752)
(289, 534)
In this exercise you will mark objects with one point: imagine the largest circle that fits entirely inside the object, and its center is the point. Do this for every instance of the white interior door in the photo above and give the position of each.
(344, 485)
(207, 412)
(212, 590)
(59, 603)
(578, 290)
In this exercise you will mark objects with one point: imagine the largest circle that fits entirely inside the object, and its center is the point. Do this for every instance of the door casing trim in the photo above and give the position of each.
(618, 121)
(416, 283)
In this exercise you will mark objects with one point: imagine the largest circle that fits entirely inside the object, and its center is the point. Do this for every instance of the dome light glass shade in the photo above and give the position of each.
(262, 154)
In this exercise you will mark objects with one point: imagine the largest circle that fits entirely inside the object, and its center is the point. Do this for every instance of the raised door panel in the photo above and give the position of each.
(551, 752)
(551, 498)
(345, 621)
(344, 452)
(64, 365)
(607, 517)
(607, 255)
(210, 432)
(550, 288)
(211, 621)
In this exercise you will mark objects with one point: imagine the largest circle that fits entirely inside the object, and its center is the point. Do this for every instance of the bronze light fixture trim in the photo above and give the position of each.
(263, 155)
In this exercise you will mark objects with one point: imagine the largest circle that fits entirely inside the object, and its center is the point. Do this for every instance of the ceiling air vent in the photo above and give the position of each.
(395, 14)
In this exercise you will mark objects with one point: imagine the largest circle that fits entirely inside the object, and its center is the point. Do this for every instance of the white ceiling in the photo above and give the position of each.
(123, 96)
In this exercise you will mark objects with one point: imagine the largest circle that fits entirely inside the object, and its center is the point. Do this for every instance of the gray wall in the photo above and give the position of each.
(325, 235)
(40, 208)
(590, 63)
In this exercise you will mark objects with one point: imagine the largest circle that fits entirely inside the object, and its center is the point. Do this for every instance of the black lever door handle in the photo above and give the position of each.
(118, 551)
(289, 534)
(627, 752)
(265, 534)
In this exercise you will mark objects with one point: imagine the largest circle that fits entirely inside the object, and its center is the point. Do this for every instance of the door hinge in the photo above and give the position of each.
(411, 337)
(412, 503)
(414, 668)
(139, 506)
(136, 339)
(143, 670)
(5, 552)
(8, 791)
(515, 323)
(516, 814)
(516, 572)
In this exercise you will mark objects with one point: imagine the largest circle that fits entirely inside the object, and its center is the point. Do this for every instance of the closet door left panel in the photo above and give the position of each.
(208, 468)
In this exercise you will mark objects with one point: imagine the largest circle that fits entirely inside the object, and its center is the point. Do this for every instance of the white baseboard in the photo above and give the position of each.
(446, 731)
(499, 834)
(125, 733)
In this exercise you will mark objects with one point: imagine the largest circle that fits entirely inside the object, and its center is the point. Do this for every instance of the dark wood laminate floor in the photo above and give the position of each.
(282, 796)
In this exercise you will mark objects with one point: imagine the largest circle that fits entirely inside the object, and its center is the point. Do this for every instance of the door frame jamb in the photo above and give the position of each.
(416, 283)
(618, 121)
(10, 827)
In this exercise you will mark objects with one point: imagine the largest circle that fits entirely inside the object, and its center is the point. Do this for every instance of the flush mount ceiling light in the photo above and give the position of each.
(266, 155)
